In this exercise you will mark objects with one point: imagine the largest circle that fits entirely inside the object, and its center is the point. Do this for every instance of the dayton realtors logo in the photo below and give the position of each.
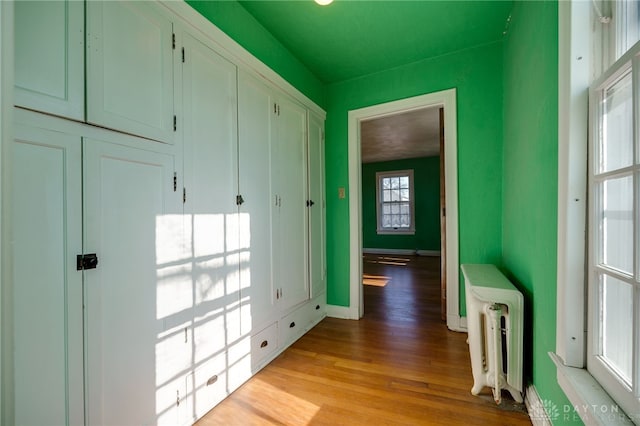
(548, 410)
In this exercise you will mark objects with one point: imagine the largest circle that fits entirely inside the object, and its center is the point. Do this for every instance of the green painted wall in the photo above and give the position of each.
(531, 181)
(237, 23)
(426, 182)
(476, 73)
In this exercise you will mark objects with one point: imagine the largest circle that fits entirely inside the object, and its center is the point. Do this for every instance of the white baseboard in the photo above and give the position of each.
(341, 312)
(405, 252)
(457, 323)
(434, 253)
(401, 252)
(537, 409)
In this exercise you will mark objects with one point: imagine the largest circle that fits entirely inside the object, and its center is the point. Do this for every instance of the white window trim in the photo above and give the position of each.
(575, 62)
(411, 230)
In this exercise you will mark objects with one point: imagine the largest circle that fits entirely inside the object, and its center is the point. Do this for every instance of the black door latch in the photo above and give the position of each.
(86, 261)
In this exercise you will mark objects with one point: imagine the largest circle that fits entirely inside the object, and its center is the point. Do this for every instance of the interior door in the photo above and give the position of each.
(135, 362)
(47, 300)
(443, 228)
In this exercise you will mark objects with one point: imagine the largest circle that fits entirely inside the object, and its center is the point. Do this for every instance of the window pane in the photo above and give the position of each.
(386, 183)
(405, 220)
(404, 182)
(404, 195)
(615, 150)
(627, 29)
(404, 208)
(386, 209)
(395, 195)
(617, 224)
(395, 220)
(386, 195)
(386, 221)
(395, 208)
(617, 321)
(395, 182)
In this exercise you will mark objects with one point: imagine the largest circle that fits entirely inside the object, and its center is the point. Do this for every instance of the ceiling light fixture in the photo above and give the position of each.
(323, 2)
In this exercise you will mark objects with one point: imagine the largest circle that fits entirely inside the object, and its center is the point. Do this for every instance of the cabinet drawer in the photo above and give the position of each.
(294, 325)
(206, 386)
(264, 344)
(317, 309)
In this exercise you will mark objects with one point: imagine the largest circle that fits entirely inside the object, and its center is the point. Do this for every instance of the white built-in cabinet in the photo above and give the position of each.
(130, 54)
(258, 288)
(49, 57)
(197, 184)
(289, 210)
(317, 262)
(129, 218)
(46, 205)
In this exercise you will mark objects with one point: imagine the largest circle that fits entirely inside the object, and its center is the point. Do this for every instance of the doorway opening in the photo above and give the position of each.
(446, 101)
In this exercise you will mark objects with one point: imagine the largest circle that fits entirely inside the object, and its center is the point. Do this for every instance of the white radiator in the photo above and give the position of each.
(495, 310)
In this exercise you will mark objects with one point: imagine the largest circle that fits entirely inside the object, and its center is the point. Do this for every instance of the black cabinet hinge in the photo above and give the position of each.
(175, 181)
(183, 55)
(175, 123)
(86, 261)
(184, 195)
(239, 200)
(173, 41)
(310, 203)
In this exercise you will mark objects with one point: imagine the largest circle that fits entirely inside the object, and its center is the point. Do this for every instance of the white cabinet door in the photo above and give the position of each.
(290, 226)
(49, 57)
(137, 358)
(47, 299)
(211, 213)
(317, 262)
(254, 123)
(130, 68)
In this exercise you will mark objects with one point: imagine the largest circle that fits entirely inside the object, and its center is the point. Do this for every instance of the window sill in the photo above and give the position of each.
(590, 402)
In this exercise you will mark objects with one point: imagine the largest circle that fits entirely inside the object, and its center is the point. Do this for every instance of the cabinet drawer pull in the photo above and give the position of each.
(212, 380)
(293, 324)
(264, 344)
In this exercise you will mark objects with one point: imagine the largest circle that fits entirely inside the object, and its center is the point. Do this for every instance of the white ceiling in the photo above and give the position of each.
(411, 134)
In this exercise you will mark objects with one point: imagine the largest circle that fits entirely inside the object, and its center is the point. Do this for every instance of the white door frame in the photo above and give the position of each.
(447, 100)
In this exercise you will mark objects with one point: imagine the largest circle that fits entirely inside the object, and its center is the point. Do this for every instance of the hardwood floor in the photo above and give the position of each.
(399, 365)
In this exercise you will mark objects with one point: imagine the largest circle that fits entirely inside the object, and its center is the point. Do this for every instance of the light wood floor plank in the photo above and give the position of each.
(399, 365)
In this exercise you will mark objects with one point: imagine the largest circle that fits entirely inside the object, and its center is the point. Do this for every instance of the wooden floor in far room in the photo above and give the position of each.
(399, 365)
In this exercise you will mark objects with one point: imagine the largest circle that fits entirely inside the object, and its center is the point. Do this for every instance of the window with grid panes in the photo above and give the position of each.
(614, 221)
(395, 202)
